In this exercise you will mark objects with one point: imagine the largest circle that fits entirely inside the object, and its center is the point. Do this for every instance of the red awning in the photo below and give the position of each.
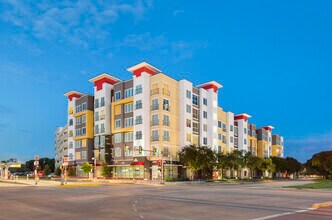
(138, 163)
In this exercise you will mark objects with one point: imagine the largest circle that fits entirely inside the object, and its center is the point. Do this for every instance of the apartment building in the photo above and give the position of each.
(135, 125)
(277, 146)
(61, 145)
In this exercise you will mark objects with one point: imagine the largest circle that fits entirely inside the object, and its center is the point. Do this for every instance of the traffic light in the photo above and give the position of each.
(140, 149)
(154, 151)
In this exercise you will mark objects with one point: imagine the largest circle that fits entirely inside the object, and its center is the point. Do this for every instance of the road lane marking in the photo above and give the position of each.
(141, 216)
(282, 214)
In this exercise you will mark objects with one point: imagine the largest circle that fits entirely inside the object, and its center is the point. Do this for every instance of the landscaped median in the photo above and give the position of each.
(318, 184)
(322, 205)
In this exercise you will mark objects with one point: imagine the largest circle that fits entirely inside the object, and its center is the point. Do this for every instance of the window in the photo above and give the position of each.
(129, 93)
(78, 132)
(138, 135)
(71, 156)
(204, 114)
(96, 142)
(166, 90)
(195, 113)
(155, 104)
(70, 145)
(118, 152)
(188, 94)
(83, 155)
(138, 104)
(138, 120)
(219, 124)
(223, 127)
(78, 155)
(78, 144)
(155, 135)
(102, 115)
(245, 141)
(129, 122)
(195, 99)
(84, 106)
(224, 141)
(166, 135)
(166, 120)
(117, 138)
(83, 131)
(188, 109)
(232, 139)
(245, 131)
(195, 127)
(188, 123)
(166, 105)
(77, 109)
(118, 123)
(129, 107)
(154, 89)
(219, 136)
(83, 119)
(102, 141)
(188, 137)
(117, 95)
(205, 141)
(231, 127)
(70, 122)
(155, 120)
(138, 89)
(96, 116)
(102, 128)
(204, 127)
(96, 129)
(219, 149)
(204, 101)
(96, 103)
(166, 151)
(102, 101)
(78, 120)
(129, 137)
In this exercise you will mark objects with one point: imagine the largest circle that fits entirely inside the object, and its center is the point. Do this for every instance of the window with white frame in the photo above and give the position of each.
(102, 101)
(129, 137)
(139, 89)
(118, 123)
(188, 108)
(129, 93)
(118, 152)
(129, 122)
(117, 138)
(204, 114)
(129, 107)
(117, 95)
(188, 94)
(204, 101)
(102, 128)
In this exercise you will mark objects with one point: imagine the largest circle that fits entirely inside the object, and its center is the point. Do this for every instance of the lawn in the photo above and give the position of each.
(318, 184)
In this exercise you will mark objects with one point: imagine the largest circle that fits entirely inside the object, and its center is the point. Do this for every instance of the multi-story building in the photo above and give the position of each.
(61, 145)
(135, 124)
(277, 146)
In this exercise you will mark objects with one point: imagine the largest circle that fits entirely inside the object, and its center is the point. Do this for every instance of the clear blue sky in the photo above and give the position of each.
(272, 57)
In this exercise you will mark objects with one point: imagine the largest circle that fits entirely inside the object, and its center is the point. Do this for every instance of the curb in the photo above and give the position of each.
(321, 205)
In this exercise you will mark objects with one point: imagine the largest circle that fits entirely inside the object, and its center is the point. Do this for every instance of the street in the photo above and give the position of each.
(140, 201)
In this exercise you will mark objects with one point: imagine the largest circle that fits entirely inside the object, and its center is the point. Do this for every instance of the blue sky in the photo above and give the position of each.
(272, 57)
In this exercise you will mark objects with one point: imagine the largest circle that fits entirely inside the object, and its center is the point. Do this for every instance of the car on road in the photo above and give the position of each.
(51, 175)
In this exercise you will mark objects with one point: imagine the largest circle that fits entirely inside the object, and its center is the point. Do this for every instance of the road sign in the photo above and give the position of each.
(65, 164)
(65, 160)
(16, 165)
(36, 163)
(36, 157)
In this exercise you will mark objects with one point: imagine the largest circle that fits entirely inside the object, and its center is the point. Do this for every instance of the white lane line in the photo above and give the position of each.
(282, 214)
(136, 201)
(141, 216)
(135, 210)
(134, 205)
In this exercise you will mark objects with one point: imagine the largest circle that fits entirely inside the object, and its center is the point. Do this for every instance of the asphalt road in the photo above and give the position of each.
(137, 201)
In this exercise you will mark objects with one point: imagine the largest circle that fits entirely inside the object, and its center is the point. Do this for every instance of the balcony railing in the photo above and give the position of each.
(166, 123)
(166, 107)
(166, 92)
(154, 91)
(155, 138)
(154, 122)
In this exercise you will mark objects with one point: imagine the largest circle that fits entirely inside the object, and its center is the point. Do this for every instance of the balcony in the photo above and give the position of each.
(166, 92)
(154, 91)
(166, 138)
(154, 107)
(166, 123)
(154, 122)
(166, 107)
(155, 138)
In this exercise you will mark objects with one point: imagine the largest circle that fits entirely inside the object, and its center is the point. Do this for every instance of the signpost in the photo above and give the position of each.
(64, 170)
(36, 164)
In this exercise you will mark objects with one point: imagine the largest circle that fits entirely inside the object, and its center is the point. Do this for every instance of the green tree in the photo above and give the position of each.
(280, 164)
(267, 165)
(222, 163)
(86, 168)
(320, 164)
(57, 171)
(293, 166)
(71, 171)
(105, 170)
(47, 170)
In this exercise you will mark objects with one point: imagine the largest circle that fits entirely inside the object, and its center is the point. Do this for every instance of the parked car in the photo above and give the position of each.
(51, 175)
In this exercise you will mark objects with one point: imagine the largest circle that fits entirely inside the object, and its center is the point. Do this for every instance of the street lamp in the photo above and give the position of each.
(94, 166)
